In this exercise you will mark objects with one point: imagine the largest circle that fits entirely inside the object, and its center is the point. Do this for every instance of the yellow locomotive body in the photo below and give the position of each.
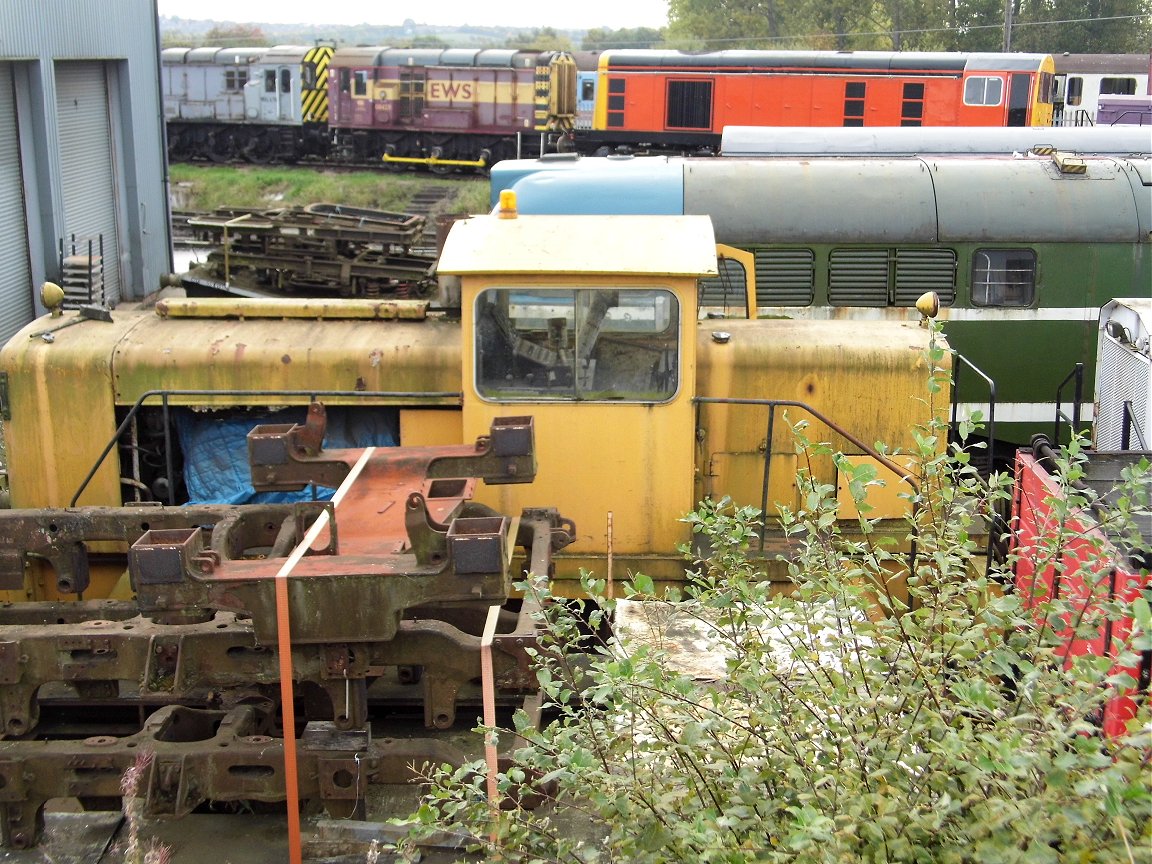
(587, 324)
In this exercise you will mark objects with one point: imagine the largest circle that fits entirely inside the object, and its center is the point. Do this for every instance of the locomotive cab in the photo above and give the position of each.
(590, 324)
(586, 323)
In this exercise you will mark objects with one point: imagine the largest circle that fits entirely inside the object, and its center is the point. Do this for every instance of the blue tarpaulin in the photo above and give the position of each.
(216, 450)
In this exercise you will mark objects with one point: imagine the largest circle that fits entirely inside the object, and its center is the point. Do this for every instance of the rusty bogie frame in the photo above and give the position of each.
(390, 583)
(345, 251)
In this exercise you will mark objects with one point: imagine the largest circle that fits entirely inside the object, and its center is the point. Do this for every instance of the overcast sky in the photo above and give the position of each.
(527, 14)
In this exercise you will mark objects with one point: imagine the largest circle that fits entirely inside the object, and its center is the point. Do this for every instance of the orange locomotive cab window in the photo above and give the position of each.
(983, 90)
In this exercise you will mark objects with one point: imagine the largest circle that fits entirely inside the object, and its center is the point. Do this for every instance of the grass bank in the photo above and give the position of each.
(206, 187)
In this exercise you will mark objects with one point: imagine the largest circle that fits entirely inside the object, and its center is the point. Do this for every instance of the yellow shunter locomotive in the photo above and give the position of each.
(588, 324)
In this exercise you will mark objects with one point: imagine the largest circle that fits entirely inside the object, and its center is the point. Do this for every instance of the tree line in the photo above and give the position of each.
(1044, 26)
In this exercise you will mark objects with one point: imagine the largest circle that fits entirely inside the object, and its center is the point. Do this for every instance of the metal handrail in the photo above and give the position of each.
(955, 421)
(772, 404)
(1077, 375)
(1119, 121)
(166, 395)
(1131, 424)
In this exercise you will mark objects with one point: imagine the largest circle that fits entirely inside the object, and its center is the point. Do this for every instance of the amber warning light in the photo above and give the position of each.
(507, 204)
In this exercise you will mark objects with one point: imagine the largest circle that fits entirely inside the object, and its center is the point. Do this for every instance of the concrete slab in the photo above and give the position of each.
(70, 838)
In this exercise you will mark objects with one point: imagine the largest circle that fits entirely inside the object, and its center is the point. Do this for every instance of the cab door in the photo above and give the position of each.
(1019, 98)
(606, 373)
(279, 96)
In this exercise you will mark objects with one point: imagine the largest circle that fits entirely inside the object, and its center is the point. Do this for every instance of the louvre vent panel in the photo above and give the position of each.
(921, 270)
(858, 277)
(784, 277)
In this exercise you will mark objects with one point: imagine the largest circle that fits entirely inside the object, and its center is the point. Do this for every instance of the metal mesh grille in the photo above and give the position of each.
(1123, 376)
(689, 105)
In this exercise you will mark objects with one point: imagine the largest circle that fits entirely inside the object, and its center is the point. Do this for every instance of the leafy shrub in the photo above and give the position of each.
(893, 707)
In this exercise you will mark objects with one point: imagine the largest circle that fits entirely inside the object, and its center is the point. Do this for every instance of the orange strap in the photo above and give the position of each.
(488, 690)
(284, 649)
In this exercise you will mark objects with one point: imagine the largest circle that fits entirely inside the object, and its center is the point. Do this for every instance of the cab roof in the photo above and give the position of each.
(624, 245)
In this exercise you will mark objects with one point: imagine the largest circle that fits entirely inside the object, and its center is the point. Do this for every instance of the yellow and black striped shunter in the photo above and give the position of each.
(259, 104)
(314, 87)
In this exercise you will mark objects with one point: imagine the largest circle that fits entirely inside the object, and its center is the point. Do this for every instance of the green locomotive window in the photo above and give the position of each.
(983, 90)
(579, 344)
(1003, 277)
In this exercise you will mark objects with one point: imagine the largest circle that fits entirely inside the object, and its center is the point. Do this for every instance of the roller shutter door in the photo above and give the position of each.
(16, 307)
(88, 169)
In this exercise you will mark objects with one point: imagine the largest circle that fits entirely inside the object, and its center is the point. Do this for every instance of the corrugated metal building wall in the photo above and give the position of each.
(81, 153)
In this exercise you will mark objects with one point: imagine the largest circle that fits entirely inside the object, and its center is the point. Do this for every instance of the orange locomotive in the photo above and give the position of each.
(673, 100)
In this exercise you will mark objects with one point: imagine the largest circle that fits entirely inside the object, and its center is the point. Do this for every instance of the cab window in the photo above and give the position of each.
(982, 90)
(1075, 91)
(1117, 86)
(360, 83)
(595, 344)
(1003, 277)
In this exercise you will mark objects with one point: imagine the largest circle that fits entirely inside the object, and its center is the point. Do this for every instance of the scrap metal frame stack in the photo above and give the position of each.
(328, 248)
(401, 573)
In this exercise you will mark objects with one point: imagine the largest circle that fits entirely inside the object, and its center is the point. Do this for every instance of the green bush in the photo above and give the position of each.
(854, 721)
